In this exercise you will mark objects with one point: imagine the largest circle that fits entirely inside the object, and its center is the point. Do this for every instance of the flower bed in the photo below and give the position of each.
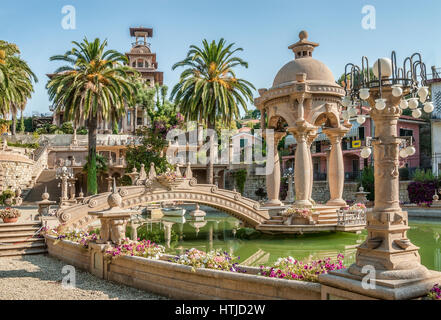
(435, 292)
(214, 259)
(298, 212)
(292, 269)
(179, 281)
(144, 248)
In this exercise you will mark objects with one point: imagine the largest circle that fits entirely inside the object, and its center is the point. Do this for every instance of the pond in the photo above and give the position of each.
(221, 231)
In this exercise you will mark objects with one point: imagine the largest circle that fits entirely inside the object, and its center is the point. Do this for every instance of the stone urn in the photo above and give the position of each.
(8, 201)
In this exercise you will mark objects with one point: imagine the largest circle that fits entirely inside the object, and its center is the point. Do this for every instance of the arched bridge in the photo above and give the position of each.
(155, 190)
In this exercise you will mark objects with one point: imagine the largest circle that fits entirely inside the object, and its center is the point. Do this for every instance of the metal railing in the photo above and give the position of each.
(351, 217)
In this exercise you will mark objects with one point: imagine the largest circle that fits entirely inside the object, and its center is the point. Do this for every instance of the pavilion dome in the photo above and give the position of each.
(315, 70)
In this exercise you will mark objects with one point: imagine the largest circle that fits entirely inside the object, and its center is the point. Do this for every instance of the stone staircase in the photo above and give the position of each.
(47, 179)
(327, 221)
(328, 215)
(18, 239)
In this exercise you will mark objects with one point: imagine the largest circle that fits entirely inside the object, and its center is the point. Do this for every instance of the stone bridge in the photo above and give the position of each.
(157, 190)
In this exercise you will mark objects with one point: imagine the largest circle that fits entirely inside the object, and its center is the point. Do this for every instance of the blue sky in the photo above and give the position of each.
(264, 29)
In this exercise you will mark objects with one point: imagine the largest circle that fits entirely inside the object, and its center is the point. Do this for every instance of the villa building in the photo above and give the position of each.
(142, 59)
(352, 144)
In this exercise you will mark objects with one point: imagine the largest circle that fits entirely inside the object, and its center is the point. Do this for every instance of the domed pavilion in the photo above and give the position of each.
(303, 98)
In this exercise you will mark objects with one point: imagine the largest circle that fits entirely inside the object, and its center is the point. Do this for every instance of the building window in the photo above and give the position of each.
(318, 146)
(128, 118)
(406, 132)
(361, 133)
(140, 63)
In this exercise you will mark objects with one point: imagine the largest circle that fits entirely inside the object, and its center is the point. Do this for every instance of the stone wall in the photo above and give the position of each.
(18, 170)
(179, 281)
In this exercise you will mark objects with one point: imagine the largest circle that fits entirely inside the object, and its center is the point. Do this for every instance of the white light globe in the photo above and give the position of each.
(410, 150)
(416, 113)
(361, 119)
(380, 104)
(386, 68)
(404, 104)
(397, 91)
(352, 112)
(365, 152)
(346, 101)
(423, 99)
(413, 103)
(364, 93)
(423, 92)
(428, 107)
(403, 153)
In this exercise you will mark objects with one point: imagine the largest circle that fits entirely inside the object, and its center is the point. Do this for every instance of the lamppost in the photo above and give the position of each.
(387, 256)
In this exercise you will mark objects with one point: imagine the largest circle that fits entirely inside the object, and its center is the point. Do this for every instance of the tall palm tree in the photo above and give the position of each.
(16, 81)
(208, 89)
(94, 85)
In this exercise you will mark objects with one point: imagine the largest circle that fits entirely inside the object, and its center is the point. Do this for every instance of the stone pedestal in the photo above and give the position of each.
(336, 173)
(114, 220)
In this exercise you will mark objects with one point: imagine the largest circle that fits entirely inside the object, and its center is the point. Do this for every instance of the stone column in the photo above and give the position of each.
(302, 167)
(273, 179)
(309, 141)
(336, 170)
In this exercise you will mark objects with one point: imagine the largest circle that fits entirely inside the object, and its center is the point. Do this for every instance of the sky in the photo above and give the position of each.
(264, 29)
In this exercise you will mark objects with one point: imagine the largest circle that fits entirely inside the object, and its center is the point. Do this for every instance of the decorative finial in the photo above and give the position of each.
(45, 195)
(81, 194)
(152, 172)
(303, 35)
(114, 199)
(188, 172)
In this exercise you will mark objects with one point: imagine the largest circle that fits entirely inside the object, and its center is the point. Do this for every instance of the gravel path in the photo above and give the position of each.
(39, 277)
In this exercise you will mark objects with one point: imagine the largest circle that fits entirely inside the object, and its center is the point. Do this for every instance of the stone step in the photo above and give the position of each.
(18, 240)
(20, 224)
(10, 231)
(23, 245)
(21, 252)
(21, 234)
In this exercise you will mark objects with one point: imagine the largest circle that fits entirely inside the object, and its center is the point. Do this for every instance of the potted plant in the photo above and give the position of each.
(10, 215)
(297, 216)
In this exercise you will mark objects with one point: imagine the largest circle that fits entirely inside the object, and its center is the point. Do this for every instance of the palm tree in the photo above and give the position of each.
(15, 81)
(208, 90)
(94, 85)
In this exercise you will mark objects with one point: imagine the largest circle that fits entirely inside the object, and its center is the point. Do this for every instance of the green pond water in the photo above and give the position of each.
(221, 231)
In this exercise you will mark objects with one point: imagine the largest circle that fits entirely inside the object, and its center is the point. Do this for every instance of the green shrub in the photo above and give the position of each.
(6, 195)
(422, 175)
(240, 177)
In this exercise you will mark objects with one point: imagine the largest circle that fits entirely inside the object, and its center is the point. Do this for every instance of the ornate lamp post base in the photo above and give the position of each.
(388, 266)
(342, 284)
